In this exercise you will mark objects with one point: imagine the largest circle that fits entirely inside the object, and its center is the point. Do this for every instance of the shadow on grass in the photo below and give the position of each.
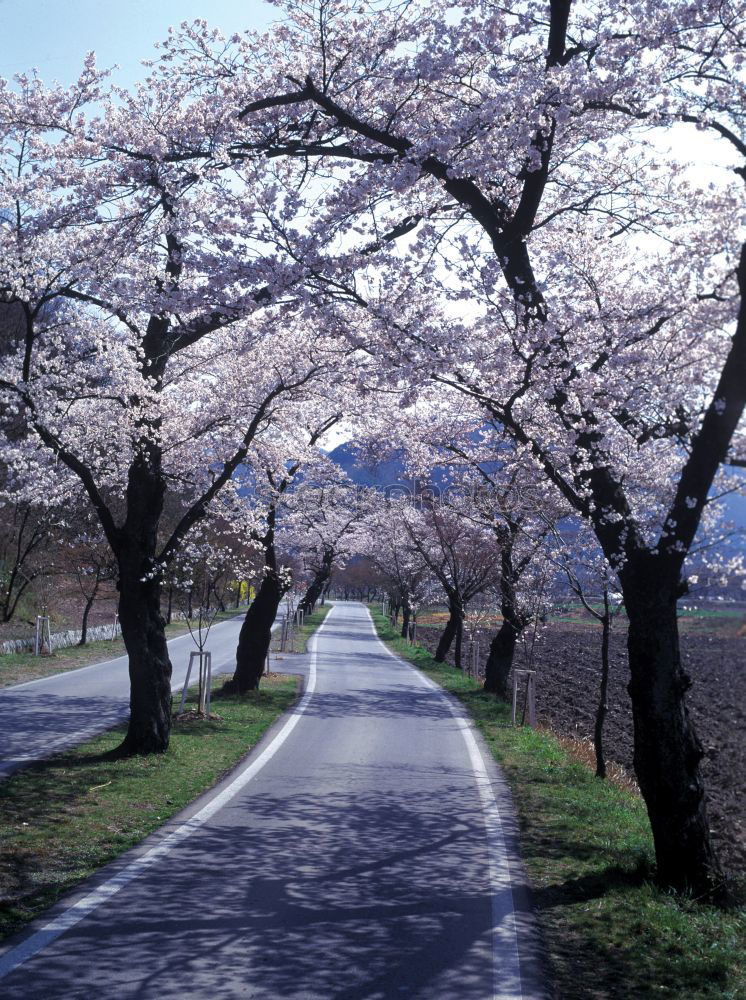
(595, 885)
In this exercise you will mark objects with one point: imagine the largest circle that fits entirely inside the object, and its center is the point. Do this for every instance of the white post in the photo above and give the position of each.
(115, 627)
(515, 693)
(202, 692)
(208, 677)
(530, 694)
(204, 661)
(532, 699)
(186, 682)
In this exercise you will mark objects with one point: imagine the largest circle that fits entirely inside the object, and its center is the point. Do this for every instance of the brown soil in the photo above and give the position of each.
(567, 661)
(65, 606)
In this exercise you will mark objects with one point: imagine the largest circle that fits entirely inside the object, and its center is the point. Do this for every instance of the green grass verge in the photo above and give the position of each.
(17, 668)
(63, 819)
(300, 640)
(588, 850)
(310, 625)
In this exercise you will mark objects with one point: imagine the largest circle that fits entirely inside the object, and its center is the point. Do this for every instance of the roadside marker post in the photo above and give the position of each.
(204, 659)
(530, 694)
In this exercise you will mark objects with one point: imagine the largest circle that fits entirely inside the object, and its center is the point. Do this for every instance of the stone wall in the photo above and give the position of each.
(60, 640)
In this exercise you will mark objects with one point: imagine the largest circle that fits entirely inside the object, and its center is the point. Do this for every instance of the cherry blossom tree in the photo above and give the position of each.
(386, 541)
(495, 132)
(159, 340)
(503, 157)
(324, 529)
(461, 555)
(278, 469)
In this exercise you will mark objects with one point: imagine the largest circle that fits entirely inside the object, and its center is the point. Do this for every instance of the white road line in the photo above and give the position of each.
(506, 967)
(83, 907)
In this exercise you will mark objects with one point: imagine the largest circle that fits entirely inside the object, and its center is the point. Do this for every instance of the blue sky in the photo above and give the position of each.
(54, 35)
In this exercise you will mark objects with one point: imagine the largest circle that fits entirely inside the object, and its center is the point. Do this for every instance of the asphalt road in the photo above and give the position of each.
(365, 850)
(41, 717)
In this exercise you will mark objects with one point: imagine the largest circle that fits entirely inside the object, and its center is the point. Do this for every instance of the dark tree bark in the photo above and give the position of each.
(406, 616)
(454, 627)
(667, 751)
(140, 618)
(316, 587)
(394, 612)
(500, 659)
(502, 647)
(219, 597)
(143, 631)
(256, 631)
(459, 643)
(603, 707)
(90, 598)
(255, 635)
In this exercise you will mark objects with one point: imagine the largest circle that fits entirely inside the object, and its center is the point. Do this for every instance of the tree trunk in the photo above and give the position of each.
(256, 631)
(140, 618)
(502, 647)
(255, 636)
(170, 605)
(143, 631)
(598, 730)
(86, 612)
(459, 642)
(317, 584)
(455, 621)
(667, 751)
(500, 659)
(406, 615)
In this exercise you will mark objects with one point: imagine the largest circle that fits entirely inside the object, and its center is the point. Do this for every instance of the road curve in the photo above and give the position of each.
(365, 850)
(44, 716)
